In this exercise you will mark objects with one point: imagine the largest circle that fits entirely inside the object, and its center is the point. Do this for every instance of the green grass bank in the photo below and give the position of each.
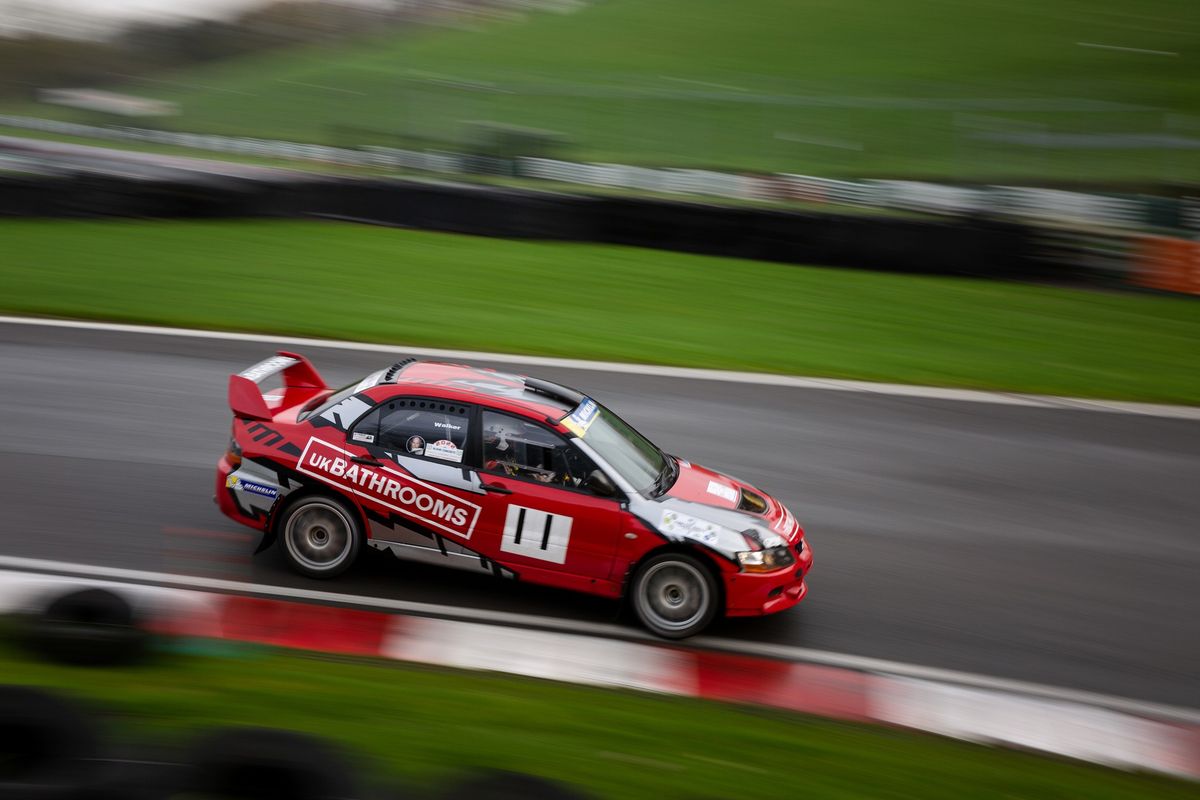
(422, 726)
(604, 302)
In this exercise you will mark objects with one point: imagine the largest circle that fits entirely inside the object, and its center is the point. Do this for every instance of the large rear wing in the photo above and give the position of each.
(245, 398)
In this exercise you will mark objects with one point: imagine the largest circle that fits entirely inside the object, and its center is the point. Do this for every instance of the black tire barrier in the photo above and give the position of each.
(49, 747)
(86, 627)
(504, 785)
(267, 764)
(968, 247)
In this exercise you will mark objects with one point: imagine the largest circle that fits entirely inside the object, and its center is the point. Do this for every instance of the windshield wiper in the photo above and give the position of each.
(666, 478)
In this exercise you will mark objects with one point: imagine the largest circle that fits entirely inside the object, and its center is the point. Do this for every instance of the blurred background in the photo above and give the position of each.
(1087, 95)
(954, 243)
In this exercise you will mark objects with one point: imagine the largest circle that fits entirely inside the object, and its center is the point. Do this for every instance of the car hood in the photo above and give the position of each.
(726, 501)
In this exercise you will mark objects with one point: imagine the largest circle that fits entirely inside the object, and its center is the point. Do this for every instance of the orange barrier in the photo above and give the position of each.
(1167, 263)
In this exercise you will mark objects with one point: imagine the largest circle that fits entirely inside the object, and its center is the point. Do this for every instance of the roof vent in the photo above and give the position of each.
(394, 369)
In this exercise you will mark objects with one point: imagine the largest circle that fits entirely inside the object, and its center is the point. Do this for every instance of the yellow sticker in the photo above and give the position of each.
(582, 417)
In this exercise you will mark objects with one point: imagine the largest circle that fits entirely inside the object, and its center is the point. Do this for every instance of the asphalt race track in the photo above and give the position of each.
(1047, 545)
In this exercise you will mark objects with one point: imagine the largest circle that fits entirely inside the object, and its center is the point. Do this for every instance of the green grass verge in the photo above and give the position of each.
(604, 302)
(855, 88)
(424, 725)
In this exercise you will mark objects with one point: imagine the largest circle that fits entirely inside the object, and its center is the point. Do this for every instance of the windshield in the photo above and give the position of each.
(632, 455)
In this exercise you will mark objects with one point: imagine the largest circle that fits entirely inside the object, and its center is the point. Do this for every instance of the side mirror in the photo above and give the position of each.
(600, 484)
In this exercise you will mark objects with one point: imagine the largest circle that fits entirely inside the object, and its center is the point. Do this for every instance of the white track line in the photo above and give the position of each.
(476, 615)
(691, 373)
(1141, 50)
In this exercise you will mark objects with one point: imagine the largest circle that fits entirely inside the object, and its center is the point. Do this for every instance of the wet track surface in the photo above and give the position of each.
(1047, 545)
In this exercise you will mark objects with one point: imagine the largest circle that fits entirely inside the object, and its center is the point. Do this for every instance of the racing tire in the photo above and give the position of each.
(504, 785)
(49, 746)
(87, 627)
(253, 763)
(675, 595)
(322, 536)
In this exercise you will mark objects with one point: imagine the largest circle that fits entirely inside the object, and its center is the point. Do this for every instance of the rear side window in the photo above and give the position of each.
(316, 407)
(430, 429)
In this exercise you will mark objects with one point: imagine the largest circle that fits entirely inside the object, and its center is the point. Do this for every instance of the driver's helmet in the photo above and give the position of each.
(503, 434)
(498, 436)
(510, 445)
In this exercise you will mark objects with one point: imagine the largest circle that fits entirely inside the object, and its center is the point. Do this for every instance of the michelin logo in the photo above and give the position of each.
(243, 485)
(582, 417)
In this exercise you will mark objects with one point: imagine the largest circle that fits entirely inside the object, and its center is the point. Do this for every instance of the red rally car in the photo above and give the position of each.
(514, 476)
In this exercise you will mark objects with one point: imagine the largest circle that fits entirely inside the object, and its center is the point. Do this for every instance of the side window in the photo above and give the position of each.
(522, 449)
(431, 429)
(366, 431)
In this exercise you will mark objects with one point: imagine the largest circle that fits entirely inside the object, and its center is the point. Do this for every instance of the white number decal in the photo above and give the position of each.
(536, 534)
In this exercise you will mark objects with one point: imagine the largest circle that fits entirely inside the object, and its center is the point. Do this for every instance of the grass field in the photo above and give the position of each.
(423, 726)
(929, 88)
(604, 302)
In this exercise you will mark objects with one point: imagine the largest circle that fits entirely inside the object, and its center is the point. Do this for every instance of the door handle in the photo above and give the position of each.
(368, 460)
(495, 487)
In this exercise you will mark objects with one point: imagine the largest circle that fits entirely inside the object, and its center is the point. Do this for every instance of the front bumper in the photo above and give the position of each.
(751, 594)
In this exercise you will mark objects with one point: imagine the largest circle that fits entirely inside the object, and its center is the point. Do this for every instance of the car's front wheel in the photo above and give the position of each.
(675, 595)
(321, 536)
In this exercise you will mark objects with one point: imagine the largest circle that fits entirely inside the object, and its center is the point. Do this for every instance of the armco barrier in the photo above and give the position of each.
(92, 196)
(960, 247)
(979, 248)
(455, 208)
(1036, 204)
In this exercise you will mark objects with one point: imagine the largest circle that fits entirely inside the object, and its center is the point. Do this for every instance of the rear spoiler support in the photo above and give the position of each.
(245, 399)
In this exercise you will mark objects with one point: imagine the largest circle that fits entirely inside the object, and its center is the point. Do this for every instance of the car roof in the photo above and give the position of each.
(489, 387)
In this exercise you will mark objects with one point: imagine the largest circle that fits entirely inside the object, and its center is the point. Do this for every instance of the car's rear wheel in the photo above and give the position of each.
(321, 536)
(675, 595)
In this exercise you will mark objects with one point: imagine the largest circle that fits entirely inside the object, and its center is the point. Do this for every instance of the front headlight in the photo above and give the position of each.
(767, 560)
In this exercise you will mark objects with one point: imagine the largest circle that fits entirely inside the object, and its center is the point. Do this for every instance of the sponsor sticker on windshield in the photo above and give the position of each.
(582, 417)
